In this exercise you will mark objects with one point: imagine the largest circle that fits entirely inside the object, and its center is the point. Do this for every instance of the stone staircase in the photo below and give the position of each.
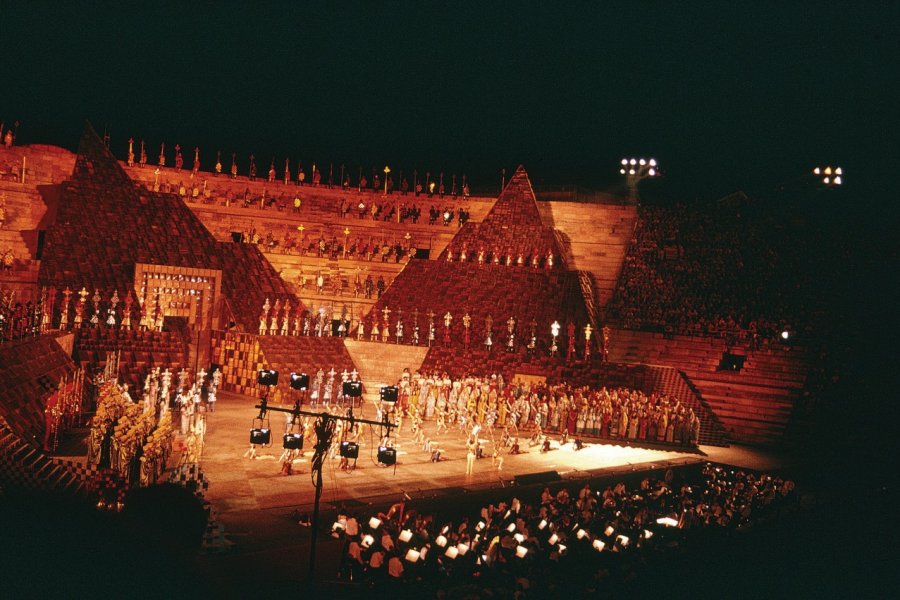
(382, 364)
(597, 235)
(23, 466)
(754, 404)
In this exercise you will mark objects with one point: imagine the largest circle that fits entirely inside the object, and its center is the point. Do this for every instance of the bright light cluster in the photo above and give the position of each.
(830, 175)
(640, 167)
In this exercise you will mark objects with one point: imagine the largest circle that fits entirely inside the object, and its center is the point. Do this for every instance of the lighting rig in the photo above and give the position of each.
(636, 169)
(831, 176)
(324, 428)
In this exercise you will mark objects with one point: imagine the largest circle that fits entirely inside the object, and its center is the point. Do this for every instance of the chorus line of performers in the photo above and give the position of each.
(615, 413)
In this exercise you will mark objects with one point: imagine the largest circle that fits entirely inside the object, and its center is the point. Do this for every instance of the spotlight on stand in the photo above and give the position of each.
(267, 377)
(349, 450)
(389, 393)
(293, 441)
(387, 456)
(261, 436)
(299, 381)
(352, 389)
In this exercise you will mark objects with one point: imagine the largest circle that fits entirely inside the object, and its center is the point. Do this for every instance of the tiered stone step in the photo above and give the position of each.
(754, 404)
(382, 364)
(598, 236)
(23, 466)
(44, 164)
(30, 371)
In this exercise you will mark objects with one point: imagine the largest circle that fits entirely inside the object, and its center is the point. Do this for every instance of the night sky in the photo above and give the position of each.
(726, 96)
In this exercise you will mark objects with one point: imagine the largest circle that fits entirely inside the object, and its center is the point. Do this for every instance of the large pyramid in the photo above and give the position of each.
(106, 224)
(530, 289)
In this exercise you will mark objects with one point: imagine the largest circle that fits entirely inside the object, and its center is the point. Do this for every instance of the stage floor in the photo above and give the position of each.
(240, 484)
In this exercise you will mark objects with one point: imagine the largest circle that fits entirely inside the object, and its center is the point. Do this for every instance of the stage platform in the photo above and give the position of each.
(241, 484)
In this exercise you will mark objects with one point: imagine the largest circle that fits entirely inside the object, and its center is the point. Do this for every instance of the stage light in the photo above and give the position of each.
(553, 539)
(598, 545)
(633, 161)
(785, 334)
(648, 534)
(292, 441)
(631, 171)
(837, 180)
(667, 521)
(387, 456)
(423, 552)
(367, 541)
(349, 450)
(405, 535)
(817, 171)
(389, 393)
(642, 162)
(445, 529)
(652, 162)
(441, 541)
(463, 548)
(827, 170)
(622, 539)
(261, 436)
(581, 534)
(652, 172)
(622, 171)
(352, 389)
(608, 531)
(519, 537)
(451, 552)
(521, 551)
(624, 161)
(267, 377)
(374, 522)
(412, 555)
(299, 381)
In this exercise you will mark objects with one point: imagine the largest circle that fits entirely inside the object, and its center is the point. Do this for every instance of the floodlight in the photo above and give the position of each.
(608, 531)
(463, 548)
(519, 537)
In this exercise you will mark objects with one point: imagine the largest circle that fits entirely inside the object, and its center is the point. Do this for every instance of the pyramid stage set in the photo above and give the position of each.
(424, 383)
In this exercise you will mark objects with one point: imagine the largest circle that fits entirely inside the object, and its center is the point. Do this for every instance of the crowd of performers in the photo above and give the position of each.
(134, 436)
(511, 544)
(539, 409)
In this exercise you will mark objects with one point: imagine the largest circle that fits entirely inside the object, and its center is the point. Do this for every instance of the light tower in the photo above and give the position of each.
(831, 176)
(636, 169)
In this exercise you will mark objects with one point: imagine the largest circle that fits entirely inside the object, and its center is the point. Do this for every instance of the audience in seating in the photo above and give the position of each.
(716, 270)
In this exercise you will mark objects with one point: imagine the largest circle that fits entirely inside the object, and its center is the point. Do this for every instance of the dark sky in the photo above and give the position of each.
(725, 95)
